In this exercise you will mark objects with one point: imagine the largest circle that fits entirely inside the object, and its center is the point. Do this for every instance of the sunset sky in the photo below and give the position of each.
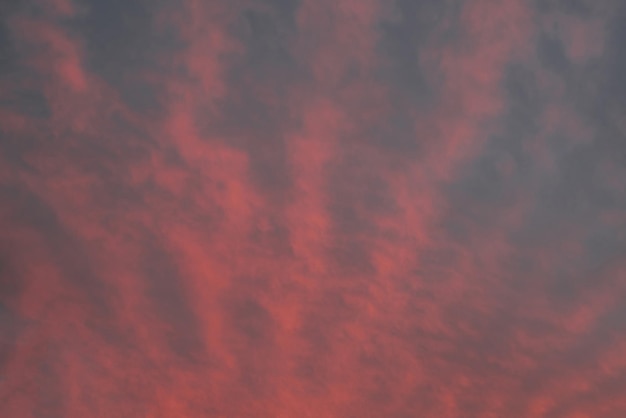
(313, 208)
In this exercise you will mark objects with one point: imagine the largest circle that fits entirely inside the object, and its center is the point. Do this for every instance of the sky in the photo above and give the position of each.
(312, 208)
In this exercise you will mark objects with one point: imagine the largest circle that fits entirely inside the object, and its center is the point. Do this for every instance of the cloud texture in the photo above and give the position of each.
(312, 208)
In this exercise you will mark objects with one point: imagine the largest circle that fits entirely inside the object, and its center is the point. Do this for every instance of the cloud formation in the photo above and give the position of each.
(312, 208)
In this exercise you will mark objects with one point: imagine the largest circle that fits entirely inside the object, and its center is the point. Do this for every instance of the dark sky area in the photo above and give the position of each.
(313, 208)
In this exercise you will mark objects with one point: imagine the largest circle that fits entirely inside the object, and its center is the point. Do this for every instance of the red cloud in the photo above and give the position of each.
(146, 270)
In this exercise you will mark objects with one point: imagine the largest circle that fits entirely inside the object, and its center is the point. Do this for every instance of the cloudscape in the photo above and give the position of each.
(312, 208)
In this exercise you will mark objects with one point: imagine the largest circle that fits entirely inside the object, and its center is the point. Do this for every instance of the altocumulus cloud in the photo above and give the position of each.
(312, 208)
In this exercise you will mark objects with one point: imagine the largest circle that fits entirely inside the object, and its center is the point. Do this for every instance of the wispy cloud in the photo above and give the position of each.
(312, 208)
